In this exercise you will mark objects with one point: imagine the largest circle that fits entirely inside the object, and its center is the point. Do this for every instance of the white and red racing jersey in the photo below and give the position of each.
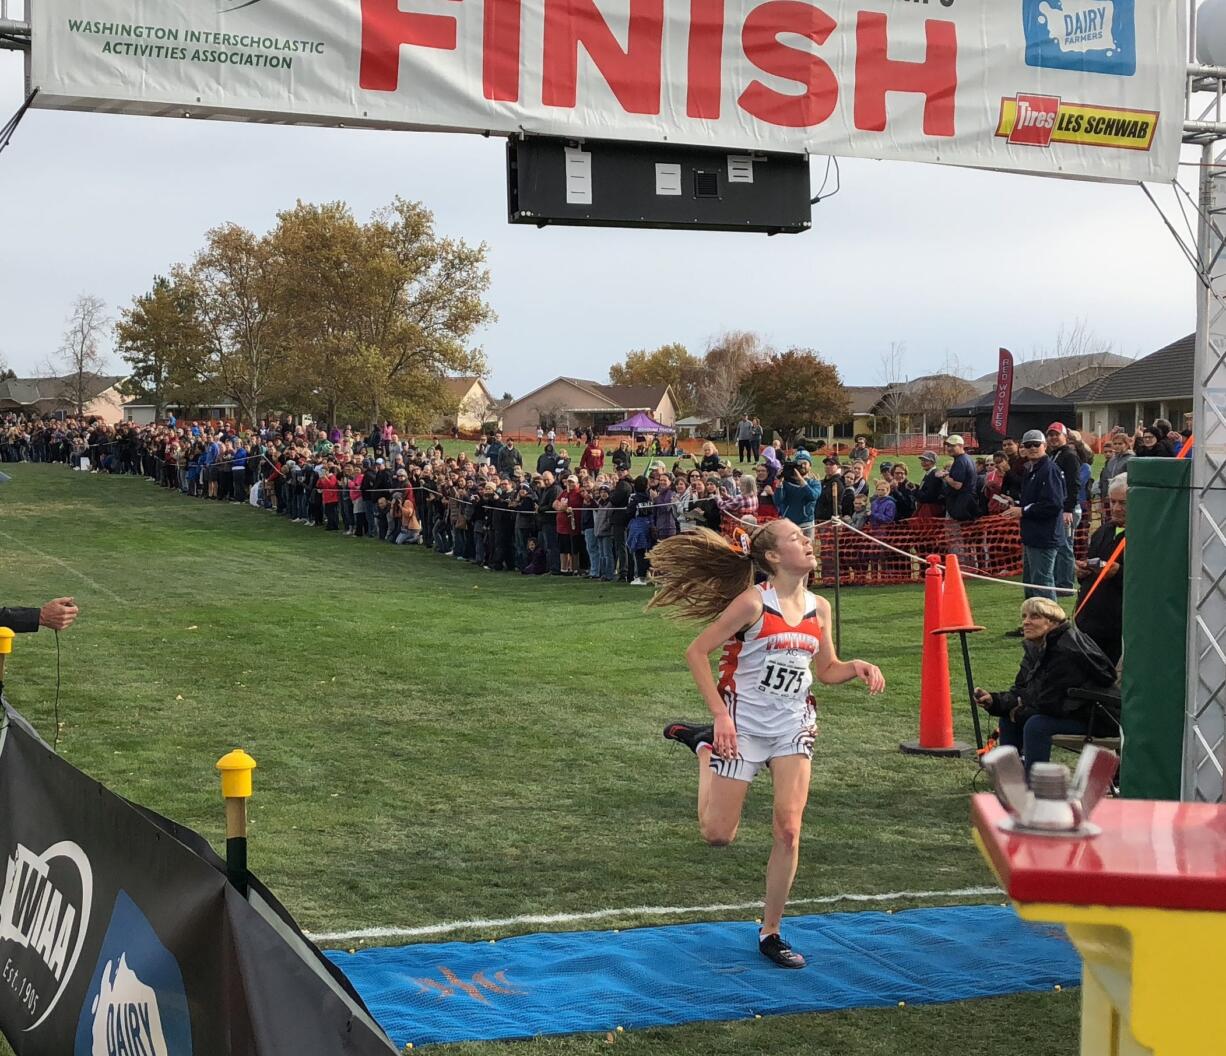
(765, 671)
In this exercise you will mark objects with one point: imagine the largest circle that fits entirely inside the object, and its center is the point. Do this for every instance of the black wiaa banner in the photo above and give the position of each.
(120, 935)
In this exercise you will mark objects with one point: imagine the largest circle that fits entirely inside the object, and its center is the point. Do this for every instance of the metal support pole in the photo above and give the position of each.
(838, 578)
(6, 647)
(236, 770)
(970, 689)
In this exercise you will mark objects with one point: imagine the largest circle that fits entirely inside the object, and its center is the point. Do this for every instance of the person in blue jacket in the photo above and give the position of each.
(1041, 514)
(796, 499)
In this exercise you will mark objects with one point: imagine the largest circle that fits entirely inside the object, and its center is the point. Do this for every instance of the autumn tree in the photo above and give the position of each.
(793, 390)
(326, 306)
(160, 339)
(81, 357)
(670, 364)
(429, 302)
(234, 284)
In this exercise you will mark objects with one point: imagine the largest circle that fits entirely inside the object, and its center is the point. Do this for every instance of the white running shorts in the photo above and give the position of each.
(754, 752)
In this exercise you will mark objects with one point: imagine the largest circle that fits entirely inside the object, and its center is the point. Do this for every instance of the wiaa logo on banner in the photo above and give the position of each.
(1088, 36)
(44, 917)
(136, 1004)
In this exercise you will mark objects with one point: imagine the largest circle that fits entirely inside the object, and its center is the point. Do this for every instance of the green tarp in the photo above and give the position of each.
(1155, 626)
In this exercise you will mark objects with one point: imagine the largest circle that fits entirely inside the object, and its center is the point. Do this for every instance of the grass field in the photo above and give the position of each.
(438, 743)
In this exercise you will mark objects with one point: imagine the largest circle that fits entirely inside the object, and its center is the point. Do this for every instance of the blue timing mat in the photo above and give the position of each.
(585, 981)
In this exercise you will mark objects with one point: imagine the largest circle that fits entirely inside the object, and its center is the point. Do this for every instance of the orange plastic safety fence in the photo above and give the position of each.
(990, 546)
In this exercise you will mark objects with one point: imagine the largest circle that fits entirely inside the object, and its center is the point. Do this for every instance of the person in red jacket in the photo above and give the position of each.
(330, 493)
(593, 458)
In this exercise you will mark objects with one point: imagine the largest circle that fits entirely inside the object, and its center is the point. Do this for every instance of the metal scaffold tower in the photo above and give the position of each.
(14, 26)
(1204, 760)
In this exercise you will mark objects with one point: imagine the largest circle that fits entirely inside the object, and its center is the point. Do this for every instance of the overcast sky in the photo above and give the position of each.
(948, 261)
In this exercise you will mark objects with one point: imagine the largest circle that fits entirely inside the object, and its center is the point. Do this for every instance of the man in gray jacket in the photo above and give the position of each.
(744, 439)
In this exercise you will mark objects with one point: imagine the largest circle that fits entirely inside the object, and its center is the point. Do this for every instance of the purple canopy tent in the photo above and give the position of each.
(640, 423)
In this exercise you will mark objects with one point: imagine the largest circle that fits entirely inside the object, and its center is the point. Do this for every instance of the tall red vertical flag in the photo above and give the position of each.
(1004, 392)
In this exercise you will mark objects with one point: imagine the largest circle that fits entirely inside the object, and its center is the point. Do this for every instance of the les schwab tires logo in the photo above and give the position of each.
(44, 917)
(136, 1004)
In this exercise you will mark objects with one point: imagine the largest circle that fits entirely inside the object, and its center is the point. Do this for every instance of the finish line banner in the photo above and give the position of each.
(1087, 88)
(120, 935)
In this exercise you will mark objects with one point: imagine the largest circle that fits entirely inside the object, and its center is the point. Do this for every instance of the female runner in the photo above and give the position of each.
(775, 641)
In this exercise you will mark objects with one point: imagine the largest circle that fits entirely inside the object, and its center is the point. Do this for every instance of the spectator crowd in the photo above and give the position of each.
(538, 512)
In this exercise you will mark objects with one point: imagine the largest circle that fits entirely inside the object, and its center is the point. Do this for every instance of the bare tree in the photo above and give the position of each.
(932, 396)
(727, 361)
(893, 400)
(81, 357)
(1077, 357)
(6, 371)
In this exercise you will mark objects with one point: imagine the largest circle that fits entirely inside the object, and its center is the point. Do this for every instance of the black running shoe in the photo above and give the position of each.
(1015, 633)
(775, 948)
(689, 734)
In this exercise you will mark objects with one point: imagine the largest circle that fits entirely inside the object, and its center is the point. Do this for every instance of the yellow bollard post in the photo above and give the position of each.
(6, 647)
(236, 767)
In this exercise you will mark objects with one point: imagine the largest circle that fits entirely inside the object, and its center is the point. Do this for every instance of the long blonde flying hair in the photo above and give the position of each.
(698, 574)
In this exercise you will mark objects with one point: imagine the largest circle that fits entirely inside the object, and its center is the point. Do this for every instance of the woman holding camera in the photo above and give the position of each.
(774, 643)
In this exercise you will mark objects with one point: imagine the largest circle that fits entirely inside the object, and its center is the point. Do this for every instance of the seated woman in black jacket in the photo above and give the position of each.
(1057, 658)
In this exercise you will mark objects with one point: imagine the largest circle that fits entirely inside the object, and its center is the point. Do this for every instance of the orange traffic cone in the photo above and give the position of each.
(955, 606)
(936, 734)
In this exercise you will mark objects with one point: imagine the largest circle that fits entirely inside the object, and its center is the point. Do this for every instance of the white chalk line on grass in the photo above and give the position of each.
(67, 567)
(630, 911)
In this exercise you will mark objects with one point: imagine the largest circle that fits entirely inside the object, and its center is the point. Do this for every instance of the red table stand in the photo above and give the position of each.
(1145, 905)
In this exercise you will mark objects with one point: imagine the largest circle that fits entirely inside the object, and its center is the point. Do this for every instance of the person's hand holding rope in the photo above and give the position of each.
(58, 614)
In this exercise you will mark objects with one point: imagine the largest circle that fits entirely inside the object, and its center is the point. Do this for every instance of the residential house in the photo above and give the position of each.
(469, 406)
(575, 403)
(1159, 385)
(57, 396)
(223, 409)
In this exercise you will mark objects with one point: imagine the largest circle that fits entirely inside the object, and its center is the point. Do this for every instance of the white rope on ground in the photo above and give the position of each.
(634, 911)
(66, 566)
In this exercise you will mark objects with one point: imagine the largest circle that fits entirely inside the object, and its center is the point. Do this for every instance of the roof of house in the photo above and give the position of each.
(864, 397)
(460, 387)
(1166, 374)
(1044, 373)
(1023, 399)
(29, 391)
(627, 397)
(612, 397)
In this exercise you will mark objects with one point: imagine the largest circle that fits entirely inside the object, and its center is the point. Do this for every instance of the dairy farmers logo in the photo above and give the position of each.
(1088, 36)
(136, 1004)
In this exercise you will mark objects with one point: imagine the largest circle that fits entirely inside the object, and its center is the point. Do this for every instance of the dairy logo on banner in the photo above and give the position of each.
(44, 917)
(136, 1004)
(1089, 36)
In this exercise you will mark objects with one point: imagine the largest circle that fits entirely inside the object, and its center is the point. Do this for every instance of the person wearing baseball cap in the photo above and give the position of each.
(930, 495)
(1064, 455)
(959, 481)
(1040, 513)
